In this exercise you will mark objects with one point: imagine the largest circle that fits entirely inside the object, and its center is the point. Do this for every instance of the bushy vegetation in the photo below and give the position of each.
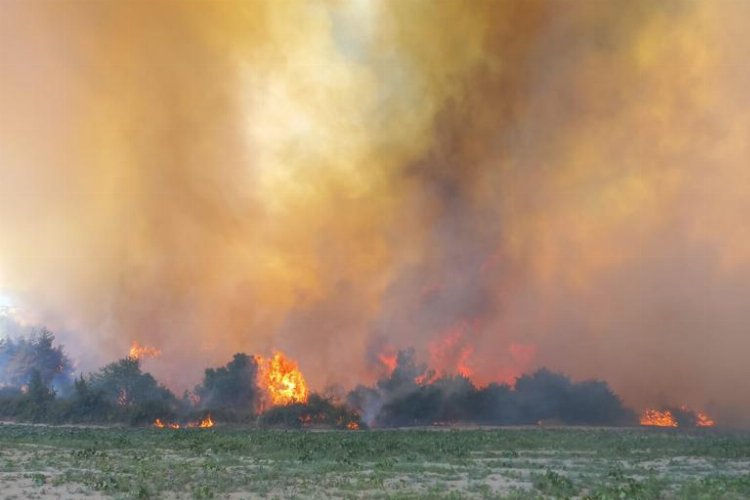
(22, 357)
(119, 392)
(37, 387)
(230, 392)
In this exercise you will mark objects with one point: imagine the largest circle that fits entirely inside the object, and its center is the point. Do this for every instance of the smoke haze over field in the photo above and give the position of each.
(501, 185)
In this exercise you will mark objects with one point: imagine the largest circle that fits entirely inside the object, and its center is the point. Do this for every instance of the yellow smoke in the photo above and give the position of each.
(214, 177)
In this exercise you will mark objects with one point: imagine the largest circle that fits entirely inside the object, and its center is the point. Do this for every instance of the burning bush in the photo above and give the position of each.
(317, 411)
(410, 396)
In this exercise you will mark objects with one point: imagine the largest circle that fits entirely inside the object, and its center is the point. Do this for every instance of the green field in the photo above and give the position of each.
(224, 462)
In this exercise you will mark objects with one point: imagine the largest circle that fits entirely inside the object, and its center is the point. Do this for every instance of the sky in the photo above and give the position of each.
(501, 186)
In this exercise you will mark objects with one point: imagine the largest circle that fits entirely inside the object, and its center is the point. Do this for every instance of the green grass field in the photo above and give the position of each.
(224, 462)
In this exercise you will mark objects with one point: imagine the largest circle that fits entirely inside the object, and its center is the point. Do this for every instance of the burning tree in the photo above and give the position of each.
(281, 380)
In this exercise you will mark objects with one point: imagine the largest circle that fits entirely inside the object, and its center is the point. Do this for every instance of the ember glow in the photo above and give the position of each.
(281, 380)
(138, 351)
(656, 418)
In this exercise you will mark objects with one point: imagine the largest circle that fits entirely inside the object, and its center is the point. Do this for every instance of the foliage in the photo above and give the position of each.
(137, 395)
(401, 400)
(20, 357)
(232, 387)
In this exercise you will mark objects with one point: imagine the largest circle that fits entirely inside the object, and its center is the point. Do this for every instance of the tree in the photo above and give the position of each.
(230, 387)
(136, 395)
(36, 403)
(20, 358)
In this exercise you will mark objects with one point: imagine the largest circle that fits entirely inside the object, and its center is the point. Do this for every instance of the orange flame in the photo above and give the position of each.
(205, 423)
(703, 420)
(453, 351)
(666, 418)
(352, 426)
(389, 360)
(282, 380)
(426, 378)
(138, 351)
(656, 418)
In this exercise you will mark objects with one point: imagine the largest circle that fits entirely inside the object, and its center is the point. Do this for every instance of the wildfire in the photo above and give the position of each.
(138, 351)
(656, 418)
(352, 426)
(453, 351)
(282, 380)
(205, 423)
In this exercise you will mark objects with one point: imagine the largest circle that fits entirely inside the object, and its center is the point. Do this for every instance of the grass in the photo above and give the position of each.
(38, 461)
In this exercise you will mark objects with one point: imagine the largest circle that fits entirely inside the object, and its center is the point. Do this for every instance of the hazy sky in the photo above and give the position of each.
(501, 185)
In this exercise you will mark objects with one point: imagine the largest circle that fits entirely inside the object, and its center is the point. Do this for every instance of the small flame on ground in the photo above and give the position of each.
(205, 423)
(282, 380)
(352, 426)
(656, 418)
(666, 418)
(138, 351)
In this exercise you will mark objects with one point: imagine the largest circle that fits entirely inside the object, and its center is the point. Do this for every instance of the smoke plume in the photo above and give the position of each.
(502, 185)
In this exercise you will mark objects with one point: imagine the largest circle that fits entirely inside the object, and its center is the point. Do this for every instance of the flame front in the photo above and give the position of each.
(656, 418)
(682, 416)
(138, 351)
(205, 423)
(282, 380)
